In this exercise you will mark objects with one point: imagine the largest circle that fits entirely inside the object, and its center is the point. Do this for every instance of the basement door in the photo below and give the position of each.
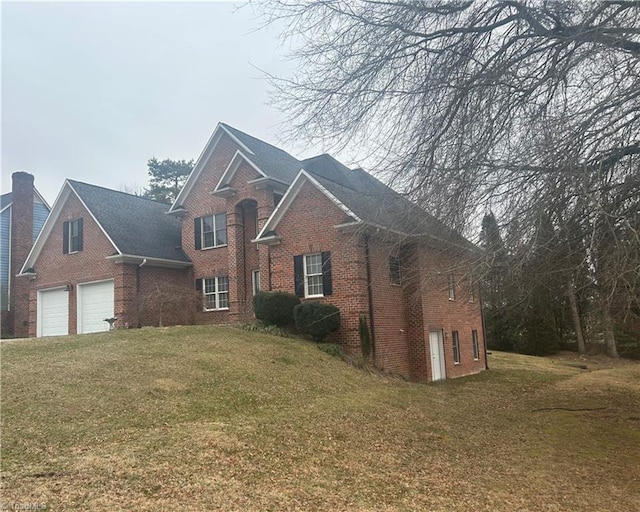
(53, 312)
(95, 303)
(436, 349)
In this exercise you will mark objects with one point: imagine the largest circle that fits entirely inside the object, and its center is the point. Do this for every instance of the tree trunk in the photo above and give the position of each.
(609, 334)
(575, 314)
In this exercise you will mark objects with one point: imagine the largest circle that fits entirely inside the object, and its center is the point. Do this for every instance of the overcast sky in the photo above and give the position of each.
(91, 91)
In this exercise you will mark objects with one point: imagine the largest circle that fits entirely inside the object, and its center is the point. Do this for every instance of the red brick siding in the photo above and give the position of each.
(239, 257)
(307, 227)
(389, 312)
(439, 313)
(21, 243)
(53, 268)
(166, 297)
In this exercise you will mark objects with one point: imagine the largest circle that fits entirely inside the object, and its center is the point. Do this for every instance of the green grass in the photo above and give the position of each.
(202, 418)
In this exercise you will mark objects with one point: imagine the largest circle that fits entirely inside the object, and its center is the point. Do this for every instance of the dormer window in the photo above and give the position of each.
(72, 236)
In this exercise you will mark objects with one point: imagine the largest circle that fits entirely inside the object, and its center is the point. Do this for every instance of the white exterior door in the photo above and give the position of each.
(436, 349)
(95, 303)
(53, 312)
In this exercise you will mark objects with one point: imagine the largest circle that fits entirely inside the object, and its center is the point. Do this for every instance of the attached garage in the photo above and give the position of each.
(53, 312)
(95, 303)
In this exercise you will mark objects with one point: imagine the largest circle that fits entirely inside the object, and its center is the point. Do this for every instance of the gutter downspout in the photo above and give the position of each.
(367, 257)
(144, 262)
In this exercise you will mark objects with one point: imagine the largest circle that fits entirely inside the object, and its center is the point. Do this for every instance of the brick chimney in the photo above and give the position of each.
(21, 243)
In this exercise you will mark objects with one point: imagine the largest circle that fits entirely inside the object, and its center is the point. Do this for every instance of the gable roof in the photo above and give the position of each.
(274, 162)
(134, 225)
(367, 200)
(269, 160)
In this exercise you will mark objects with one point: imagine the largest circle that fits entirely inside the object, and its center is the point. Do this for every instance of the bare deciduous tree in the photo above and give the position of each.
(512, 105)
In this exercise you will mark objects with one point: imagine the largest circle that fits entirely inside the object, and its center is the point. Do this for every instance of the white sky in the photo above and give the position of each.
(91, 91)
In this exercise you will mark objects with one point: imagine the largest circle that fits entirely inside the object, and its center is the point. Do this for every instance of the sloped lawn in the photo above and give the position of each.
(213, 418)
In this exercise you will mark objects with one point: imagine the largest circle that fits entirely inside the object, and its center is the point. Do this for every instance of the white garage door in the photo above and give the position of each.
(95, 303)
(53, 312)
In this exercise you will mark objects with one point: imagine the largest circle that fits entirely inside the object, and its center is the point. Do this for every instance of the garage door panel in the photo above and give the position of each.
(53, 312)
(95, 303)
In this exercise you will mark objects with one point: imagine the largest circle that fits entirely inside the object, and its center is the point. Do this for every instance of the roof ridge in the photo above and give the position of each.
(118, 192)
(260, 140)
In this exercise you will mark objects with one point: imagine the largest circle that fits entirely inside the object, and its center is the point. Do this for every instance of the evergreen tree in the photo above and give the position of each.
(166, 178)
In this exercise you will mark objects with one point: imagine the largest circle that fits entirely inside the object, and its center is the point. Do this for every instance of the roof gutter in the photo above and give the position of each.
(144, 260)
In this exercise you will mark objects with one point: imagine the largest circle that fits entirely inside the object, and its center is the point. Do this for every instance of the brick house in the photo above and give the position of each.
(22, 215)
(252, 217)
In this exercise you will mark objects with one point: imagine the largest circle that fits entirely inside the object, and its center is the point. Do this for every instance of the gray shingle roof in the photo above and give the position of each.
(273, 161)
(138, 226)
(374, 202)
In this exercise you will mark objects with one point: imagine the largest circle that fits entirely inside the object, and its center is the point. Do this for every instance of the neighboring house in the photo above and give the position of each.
(252, 217)
(22, 214)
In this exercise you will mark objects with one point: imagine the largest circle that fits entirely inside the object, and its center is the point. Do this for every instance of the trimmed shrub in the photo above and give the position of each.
(316, 319)
(275, 308)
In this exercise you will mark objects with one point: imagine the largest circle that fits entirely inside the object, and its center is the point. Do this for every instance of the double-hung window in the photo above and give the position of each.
(210, 231)
(72, 236)
(476, 349)
(456, 347)
(313, 275)
(216, 293)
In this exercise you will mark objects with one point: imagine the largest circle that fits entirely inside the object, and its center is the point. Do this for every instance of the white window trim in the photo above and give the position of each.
(216, 294)
(215, 229)
(306, 276)
(472, 294)
(455, 342)
(255, 281)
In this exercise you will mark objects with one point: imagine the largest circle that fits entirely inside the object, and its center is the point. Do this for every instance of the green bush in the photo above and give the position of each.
(316, 319)
(275, 308)
(332, 349)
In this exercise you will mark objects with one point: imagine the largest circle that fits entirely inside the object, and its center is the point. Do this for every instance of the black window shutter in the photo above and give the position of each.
(65, 237)
(298, 275)
(198, 285)
(327, 287)
(197, 232)
(80, 234)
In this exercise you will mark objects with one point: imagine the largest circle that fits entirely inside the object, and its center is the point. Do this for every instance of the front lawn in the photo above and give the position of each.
(206, 418)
